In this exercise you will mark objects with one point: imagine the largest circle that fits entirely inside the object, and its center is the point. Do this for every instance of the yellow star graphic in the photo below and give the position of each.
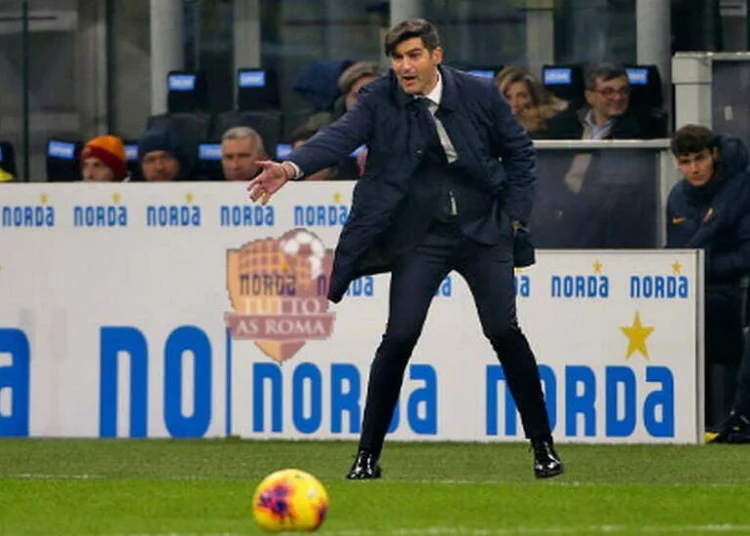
(116, 198)
(189, 198)
(637, 335)
(337, 198)
(598, 267)
(677, 268)
(43, 199)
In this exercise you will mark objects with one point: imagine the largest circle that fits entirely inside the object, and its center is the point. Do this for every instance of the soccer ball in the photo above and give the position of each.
(290, 501)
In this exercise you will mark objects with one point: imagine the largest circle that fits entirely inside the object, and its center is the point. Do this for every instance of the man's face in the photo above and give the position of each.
(351, 96)
(238, 159)
(610, 98)
(94, 170)
(416, 67)
(697, 168)
(160, 166)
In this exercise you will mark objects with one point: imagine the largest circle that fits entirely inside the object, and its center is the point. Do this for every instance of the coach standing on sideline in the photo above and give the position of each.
(448, 186)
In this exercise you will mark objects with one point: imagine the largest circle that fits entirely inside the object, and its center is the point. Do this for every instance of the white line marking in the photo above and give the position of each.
(465, 531)
(530, 482)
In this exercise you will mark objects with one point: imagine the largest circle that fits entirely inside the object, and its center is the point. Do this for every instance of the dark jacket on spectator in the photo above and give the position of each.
(716, 218)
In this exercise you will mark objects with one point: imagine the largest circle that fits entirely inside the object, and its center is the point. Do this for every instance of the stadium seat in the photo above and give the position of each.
(645, 85)
(63, 160)
(193, 128)
(209, 162)
(266, 122)
(484, 71)
(8, 158)
(133, 164)
(186, 92)
(565, 81)
(257, 89)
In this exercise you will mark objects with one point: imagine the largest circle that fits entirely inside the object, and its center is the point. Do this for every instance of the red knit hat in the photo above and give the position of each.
(111, 151)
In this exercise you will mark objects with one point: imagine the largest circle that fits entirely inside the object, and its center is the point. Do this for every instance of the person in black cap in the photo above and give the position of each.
(163, 156)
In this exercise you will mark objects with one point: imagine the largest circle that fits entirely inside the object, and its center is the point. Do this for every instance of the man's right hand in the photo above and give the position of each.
(272, 177)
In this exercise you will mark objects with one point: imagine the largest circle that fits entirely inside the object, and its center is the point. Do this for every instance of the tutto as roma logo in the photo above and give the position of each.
(278, 290)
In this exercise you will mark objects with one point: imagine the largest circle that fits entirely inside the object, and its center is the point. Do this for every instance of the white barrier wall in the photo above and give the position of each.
(137, 310)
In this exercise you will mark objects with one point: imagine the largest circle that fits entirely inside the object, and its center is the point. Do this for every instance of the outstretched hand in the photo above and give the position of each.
(272, 177)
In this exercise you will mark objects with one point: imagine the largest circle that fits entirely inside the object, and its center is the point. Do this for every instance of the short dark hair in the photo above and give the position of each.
(605, 71)
(692, 139)
(408, 29)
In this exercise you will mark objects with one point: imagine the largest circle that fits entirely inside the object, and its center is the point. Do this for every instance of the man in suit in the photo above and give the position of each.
(448, 186)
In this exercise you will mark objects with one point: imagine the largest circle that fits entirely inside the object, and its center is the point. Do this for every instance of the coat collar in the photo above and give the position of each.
(449, 100)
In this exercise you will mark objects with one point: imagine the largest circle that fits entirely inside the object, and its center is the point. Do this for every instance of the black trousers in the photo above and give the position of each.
(742, 395)
(416, 276)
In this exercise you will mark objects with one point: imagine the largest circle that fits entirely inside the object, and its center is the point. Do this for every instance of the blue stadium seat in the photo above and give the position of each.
(187, 91)
(8, 158)
(484, 71)
(63, 160)
(645, 85)
(193, 128)
(257, 89)
(565, 81)
(266, 122)
(209, 162)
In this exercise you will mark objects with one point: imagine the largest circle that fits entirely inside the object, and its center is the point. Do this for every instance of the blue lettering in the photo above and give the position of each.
(658, 408)
(424, 398)
(15, 376)
(100, 216)
(522, 285)
(247, 216)
(494, 375)
(320, 215)
(446, 288)
(620, 423)
(580, 402)
(131, 341)
(659, 286)
(580, 286)
(262, 372)
(345, 400)
(29, 216)
(173, 216)
(363, 286)
(181, 340)
(306, 374)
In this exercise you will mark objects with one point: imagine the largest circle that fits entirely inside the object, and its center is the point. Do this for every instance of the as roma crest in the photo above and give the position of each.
(278, 289)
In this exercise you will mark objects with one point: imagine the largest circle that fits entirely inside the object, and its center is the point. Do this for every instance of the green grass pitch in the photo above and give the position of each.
(174, 487)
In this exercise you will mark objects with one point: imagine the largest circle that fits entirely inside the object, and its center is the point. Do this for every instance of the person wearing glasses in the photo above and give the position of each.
(606, 201)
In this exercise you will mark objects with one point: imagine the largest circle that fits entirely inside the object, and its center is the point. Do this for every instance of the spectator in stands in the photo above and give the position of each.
(345, 170)
(355, 77)
(163, 156)
(710, 209)
(534, 105)
(241, 148)
(5, 176)
(606, 198)
(103, 159)
(608, 114)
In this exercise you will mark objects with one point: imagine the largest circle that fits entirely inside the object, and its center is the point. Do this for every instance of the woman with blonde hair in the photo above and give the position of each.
(532, 103)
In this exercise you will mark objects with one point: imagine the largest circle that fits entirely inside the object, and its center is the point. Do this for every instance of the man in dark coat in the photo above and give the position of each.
(710, 209)
(434, 198)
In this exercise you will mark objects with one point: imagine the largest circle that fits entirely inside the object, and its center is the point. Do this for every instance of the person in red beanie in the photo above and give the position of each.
(103, 160)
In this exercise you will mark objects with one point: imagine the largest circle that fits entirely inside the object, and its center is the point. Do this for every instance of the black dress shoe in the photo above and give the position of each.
(546, 461)
(365, 467)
